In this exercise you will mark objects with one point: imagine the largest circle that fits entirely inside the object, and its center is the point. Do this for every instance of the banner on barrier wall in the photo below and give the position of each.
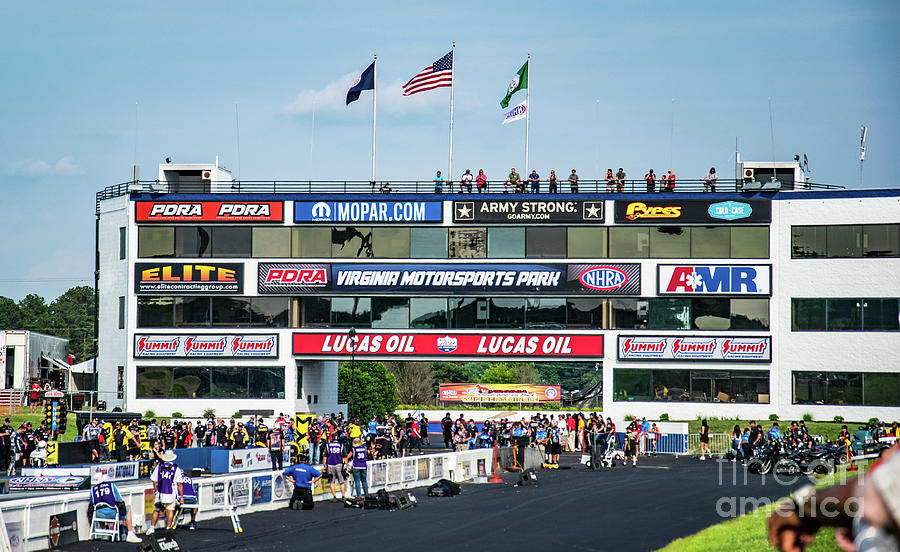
(239, 491)
(695, 348)
(62, 529)
(262, 489)
(209, 211)
(498, 392)
(281, 488)
(242, 460)
(482, 344)
(120, 471)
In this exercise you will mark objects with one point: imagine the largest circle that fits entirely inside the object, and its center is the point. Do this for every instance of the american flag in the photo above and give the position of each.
(439, 74)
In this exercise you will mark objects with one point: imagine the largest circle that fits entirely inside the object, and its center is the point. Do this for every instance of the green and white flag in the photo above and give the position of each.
(519, 82)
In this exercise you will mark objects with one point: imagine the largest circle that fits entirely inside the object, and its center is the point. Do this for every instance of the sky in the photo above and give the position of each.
(88, 90)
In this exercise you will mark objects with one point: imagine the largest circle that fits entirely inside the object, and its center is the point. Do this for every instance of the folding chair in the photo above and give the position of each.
(105, 523)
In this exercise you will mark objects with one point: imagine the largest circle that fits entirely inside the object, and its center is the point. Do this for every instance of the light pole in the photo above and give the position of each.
(353, 340)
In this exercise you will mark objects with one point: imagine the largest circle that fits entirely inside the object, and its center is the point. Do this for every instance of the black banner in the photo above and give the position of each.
(180, 278)
(693, 211)
(63, 529)
(531, 211)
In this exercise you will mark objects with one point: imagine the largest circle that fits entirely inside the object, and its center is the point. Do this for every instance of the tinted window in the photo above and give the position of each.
(269, 312)
(808, 314)
(749, 314)
(311, 242)
(315, 312)
(427, 312)
(808, 241)
(390, 312)
(123, 243)
(749, 242)
(468, 312)
(881, 240)
(155, 312)
(629, 313)
(548, 312)
(670, 314)
(231, 311)
(351, 242)
(156, 241)
(506, 313)
(390, 243)
(584, 312)
(844, 314)
(712, 313)
(628, 242)
(545, 243)
(881, 314)
(271, 242)
(192, 241)
(468, 243)
(505, 242)
(428, 243)
(191, 311)
(348, 312)
(670, 242)
(710, 242)
(231, 241)
(844, 241)
(586, 242)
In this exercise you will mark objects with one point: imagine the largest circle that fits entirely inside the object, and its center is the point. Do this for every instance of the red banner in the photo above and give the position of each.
(499, 392)
(209, 211)
(435, 345)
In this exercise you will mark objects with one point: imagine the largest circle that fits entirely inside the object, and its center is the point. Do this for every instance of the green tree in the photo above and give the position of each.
(374, 390)
(450, 372)
(499, 372)
(35, 314)
(10, 316)
(73, 317)
(415, 383)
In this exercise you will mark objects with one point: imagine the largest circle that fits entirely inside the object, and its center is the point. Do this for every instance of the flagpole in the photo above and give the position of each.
(453, 69)
(527, 112)
(374, 88)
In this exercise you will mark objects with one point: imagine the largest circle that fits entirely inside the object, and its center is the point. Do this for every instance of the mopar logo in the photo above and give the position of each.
(730, 210)
(603, 278)
(321, 211)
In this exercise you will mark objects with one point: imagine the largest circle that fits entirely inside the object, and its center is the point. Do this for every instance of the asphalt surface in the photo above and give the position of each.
(623, 508)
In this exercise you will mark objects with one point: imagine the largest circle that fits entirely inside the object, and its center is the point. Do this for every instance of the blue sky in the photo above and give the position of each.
(85, 86)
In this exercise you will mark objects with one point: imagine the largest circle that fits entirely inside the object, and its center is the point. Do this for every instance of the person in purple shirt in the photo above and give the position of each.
(359, 469)
(334, 467)
(106, 502)
(304, 477)
(169, 489)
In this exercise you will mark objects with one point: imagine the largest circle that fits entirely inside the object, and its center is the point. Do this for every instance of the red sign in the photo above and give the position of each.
(435, 345)
(209, 211)
(499, 392)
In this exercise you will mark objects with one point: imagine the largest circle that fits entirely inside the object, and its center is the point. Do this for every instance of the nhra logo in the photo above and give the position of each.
(309, 276)
(449, 393)
(321, 211)
(446, 344)
(603, 278)
(198, 346)
(630, 347)
(244, 345)
(551, 393)
(156, 346)
(638, 210)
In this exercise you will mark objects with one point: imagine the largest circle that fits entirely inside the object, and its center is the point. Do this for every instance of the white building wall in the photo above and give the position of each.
(114, 280)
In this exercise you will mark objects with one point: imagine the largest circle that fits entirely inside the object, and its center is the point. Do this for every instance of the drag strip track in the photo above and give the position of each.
(624, 508)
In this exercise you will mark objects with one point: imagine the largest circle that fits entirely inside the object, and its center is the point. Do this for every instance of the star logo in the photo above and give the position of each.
(593, 210)
(465, 210)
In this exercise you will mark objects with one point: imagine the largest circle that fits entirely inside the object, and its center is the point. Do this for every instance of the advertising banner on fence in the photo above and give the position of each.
(62, 529)
(119, 471)
(262, 489)
(498, 392)
(695, 348)
(274, 278)
(413, 344)
(368, 212)
(239, 491)
(693, 211)
(242, 460)
(209, 211)
(206, 346)
(535, 211)
(179, 278)
(714, 279)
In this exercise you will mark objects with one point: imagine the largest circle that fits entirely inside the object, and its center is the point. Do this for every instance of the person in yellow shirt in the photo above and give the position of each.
(354, 429)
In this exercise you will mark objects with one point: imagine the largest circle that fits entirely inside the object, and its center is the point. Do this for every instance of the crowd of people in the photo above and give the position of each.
(22, 446)
(515, 183)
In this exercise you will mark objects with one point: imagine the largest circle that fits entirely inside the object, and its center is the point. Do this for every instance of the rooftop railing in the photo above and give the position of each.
(429, 187)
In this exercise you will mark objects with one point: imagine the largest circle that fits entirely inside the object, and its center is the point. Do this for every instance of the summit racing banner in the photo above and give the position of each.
(209, 211)
(538, 211)
(445, 278)
(695, 348)
(206, 346)
(498, 392)
(413, 344)
(693, 211)
(167, 278)
(368, 211)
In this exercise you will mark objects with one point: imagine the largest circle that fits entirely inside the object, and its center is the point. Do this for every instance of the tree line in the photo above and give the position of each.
(71, 316)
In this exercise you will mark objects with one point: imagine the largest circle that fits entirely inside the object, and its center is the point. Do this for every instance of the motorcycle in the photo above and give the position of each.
(764, 457)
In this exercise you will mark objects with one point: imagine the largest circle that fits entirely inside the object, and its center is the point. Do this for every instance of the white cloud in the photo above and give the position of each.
(333, 96)
(38, 167)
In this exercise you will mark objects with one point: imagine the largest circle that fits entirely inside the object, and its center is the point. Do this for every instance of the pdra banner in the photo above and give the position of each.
(498, 392)
(695, 348)
(209, 211)
(368, 211)
(432, 345)
(714, 279)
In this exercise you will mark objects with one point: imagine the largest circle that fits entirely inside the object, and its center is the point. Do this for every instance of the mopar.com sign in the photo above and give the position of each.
(368, 211)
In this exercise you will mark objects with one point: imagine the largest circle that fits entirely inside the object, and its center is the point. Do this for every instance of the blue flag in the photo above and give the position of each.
(366, 82)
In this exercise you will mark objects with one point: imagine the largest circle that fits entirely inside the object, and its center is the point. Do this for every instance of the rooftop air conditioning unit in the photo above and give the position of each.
(205, 175)
(748, 174)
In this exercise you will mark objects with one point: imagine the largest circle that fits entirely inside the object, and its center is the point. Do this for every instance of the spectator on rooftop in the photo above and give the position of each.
(650, 177)
(670, 181)
(573, 182)
(466, 182)
(709, 181)
(438, 183)
(553, 181)
(535, 180)
(620, 180)
(385, 188)
(610, 180)
(512, 180)
(481, 181)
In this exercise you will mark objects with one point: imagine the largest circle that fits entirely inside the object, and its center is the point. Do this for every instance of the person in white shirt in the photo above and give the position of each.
(466, 182)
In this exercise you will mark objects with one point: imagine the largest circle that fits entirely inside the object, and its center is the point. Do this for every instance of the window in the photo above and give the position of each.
(390, 243)
(749, 242)
(231, 241)
(834, 315)
(545, 242)
(710, 242)
(843, 314)
(271, 242)
(847, 388)
(631, 385)
(428, 243)
(505, 242)
(156, 241)
(312, 243)
(198, 382)
(428, 312)
(468, 243)
(749, 314)
(881, 240)
(120, 382)
(807, 314)
(351, 242)
(670, 242)
(123, 243)
(724, 386)
(468, 312)
(545, 312)
(808, 241)
(506, 313)
(314, 312)
(629, 313)
(193, 241)
(192, 312)
(881, 389)
(156, 312)
(122, 313)
(269, 312)
(299, 382)
(390, 312)
(629, 242)
(844, 241)
(586, 242)
(881, 315)
(710, 313)
(670, 314)
(584, 312)
(347, 312)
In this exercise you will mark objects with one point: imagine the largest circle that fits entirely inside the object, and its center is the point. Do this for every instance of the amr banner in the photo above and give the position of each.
(693, 211)
(714, 279)
(368, 211)
(434, 345)
(168, 278)
(209, 211)
(498, 392)
(536, 211)
(206, 346)
(695, 348)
